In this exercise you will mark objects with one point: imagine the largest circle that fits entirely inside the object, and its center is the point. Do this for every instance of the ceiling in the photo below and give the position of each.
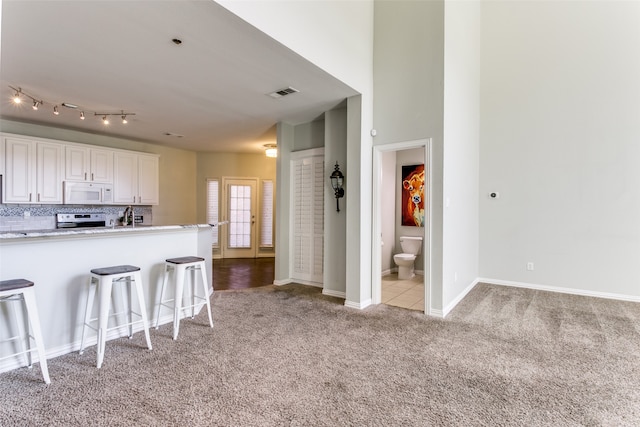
(110, 56)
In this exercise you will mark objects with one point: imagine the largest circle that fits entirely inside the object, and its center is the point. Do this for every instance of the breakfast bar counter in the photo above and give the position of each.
(59, 261)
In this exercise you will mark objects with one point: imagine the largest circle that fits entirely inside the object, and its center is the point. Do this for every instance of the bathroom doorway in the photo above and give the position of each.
(388, 225)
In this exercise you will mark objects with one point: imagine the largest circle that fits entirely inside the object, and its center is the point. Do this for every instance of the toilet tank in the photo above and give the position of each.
(411, 244)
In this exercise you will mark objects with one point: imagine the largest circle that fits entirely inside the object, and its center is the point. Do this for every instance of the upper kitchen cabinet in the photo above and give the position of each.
(136, 179)
(34, 171)
(88, 164)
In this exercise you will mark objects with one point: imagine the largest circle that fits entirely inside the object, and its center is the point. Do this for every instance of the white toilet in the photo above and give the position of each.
(411, 246)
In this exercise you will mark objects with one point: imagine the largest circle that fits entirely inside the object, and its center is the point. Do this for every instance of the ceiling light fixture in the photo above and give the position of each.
(19, 94)
(16, 97)
(271, 150)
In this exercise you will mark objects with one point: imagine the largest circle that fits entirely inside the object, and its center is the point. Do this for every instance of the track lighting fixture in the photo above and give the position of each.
(16, 97)
(19, 95)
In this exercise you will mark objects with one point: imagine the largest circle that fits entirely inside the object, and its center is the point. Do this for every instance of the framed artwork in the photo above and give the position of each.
(412, 206)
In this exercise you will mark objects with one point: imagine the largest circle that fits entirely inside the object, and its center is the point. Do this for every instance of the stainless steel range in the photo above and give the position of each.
(81, 220)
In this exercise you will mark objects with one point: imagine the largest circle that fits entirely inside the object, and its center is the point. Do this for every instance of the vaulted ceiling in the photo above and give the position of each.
(209, 92)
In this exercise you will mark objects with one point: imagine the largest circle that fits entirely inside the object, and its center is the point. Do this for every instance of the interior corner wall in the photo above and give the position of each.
(285, 139)
(335, 225)
(462, 51)
(309, 135)
(177, 168)
(560, 125)
(408, 104)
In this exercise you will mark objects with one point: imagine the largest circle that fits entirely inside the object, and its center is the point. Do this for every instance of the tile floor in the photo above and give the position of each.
(403, 293)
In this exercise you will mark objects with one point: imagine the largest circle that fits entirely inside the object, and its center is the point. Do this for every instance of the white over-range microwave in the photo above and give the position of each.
(87, 193)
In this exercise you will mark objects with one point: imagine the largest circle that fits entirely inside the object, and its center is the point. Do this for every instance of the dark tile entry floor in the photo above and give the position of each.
(242, 273)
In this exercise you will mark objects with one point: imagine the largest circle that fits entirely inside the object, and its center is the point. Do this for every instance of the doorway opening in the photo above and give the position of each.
(406, 291)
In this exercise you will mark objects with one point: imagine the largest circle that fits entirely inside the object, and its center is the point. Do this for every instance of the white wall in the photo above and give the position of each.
(560, 132)
(461, 149)
(335, 223)
(408, 82)
(389, 208)
(337, 36)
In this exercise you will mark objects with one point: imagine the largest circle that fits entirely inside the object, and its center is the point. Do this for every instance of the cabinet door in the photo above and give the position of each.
(76, 163)
(125, 179)
(101, 166)
(148, 180)
(49, 173)
(20, 170)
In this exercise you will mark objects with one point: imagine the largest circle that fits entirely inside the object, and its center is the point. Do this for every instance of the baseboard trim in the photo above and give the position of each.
(459, 298)
(358, 305)
(572, 291)
(282, 282)
(336, 294)
(435, 313)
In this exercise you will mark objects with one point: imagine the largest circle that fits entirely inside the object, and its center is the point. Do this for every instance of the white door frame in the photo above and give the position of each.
(224, 235)
(376, 253)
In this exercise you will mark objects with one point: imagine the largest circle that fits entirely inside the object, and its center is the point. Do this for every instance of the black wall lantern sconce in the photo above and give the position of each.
(337, 180)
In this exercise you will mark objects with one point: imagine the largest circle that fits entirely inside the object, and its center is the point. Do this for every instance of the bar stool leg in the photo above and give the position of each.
(22, 325)
(137, 277)
(179, 272)
(167, 267)
(87, 312)
(105, 284)
(34, 319)
(206, 292)
(192, 274)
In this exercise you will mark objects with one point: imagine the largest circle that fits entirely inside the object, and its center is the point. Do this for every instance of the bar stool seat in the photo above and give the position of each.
(180, 266)
(102, 280)
(22, 290)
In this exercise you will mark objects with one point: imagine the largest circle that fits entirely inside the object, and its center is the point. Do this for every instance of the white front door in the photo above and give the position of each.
(240, 207)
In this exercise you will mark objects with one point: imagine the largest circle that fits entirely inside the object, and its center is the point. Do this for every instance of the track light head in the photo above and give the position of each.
(35, 105)
(55, 110)
(105, 120)
(16, 97)
(124, 119)
(81, 115)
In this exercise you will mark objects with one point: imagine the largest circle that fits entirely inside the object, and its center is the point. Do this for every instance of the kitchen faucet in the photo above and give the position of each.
(128, 212)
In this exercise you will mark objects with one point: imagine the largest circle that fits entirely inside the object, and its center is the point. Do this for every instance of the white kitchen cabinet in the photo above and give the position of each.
(88, 164)
(135, 179)
(34, 171)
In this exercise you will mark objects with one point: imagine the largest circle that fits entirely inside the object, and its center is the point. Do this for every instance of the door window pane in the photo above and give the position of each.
(240, 216)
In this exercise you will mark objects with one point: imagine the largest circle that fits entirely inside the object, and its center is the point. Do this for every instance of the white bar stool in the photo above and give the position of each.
(102, 280)
(180, 266)
(22, 290)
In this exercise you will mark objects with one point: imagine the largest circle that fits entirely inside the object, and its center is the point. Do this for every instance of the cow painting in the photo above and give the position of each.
(413, 195)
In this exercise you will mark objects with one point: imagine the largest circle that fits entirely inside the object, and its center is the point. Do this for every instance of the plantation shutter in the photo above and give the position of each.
(213, 210)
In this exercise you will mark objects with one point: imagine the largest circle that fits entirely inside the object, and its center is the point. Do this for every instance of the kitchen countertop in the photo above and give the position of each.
(63, 232)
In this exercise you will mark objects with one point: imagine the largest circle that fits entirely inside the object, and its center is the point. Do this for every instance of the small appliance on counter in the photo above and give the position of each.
(81, 220)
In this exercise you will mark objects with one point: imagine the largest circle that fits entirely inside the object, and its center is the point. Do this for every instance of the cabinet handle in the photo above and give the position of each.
(134, 199)
(38, 199)
(85, 176)
(139, 199)
(91, 176)
(29, 196)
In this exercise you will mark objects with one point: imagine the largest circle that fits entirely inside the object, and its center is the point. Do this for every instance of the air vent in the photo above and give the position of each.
(283, 92)
(176, 135)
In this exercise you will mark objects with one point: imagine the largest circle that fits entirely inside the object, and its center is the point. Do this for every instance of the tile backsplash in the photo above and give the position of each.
(43, 217)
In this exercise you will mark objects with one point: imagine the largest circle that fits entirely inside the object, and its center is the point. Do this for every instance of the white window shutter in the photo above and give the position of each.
(213, 196)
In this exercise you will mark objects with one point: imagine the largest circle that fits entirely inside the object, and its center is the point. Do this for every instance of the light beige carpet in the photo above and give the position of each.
(289, 356)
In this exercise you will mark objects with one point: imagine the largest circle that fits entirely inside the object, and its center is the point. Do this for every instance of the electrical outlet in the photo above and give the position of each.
(530, 266)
